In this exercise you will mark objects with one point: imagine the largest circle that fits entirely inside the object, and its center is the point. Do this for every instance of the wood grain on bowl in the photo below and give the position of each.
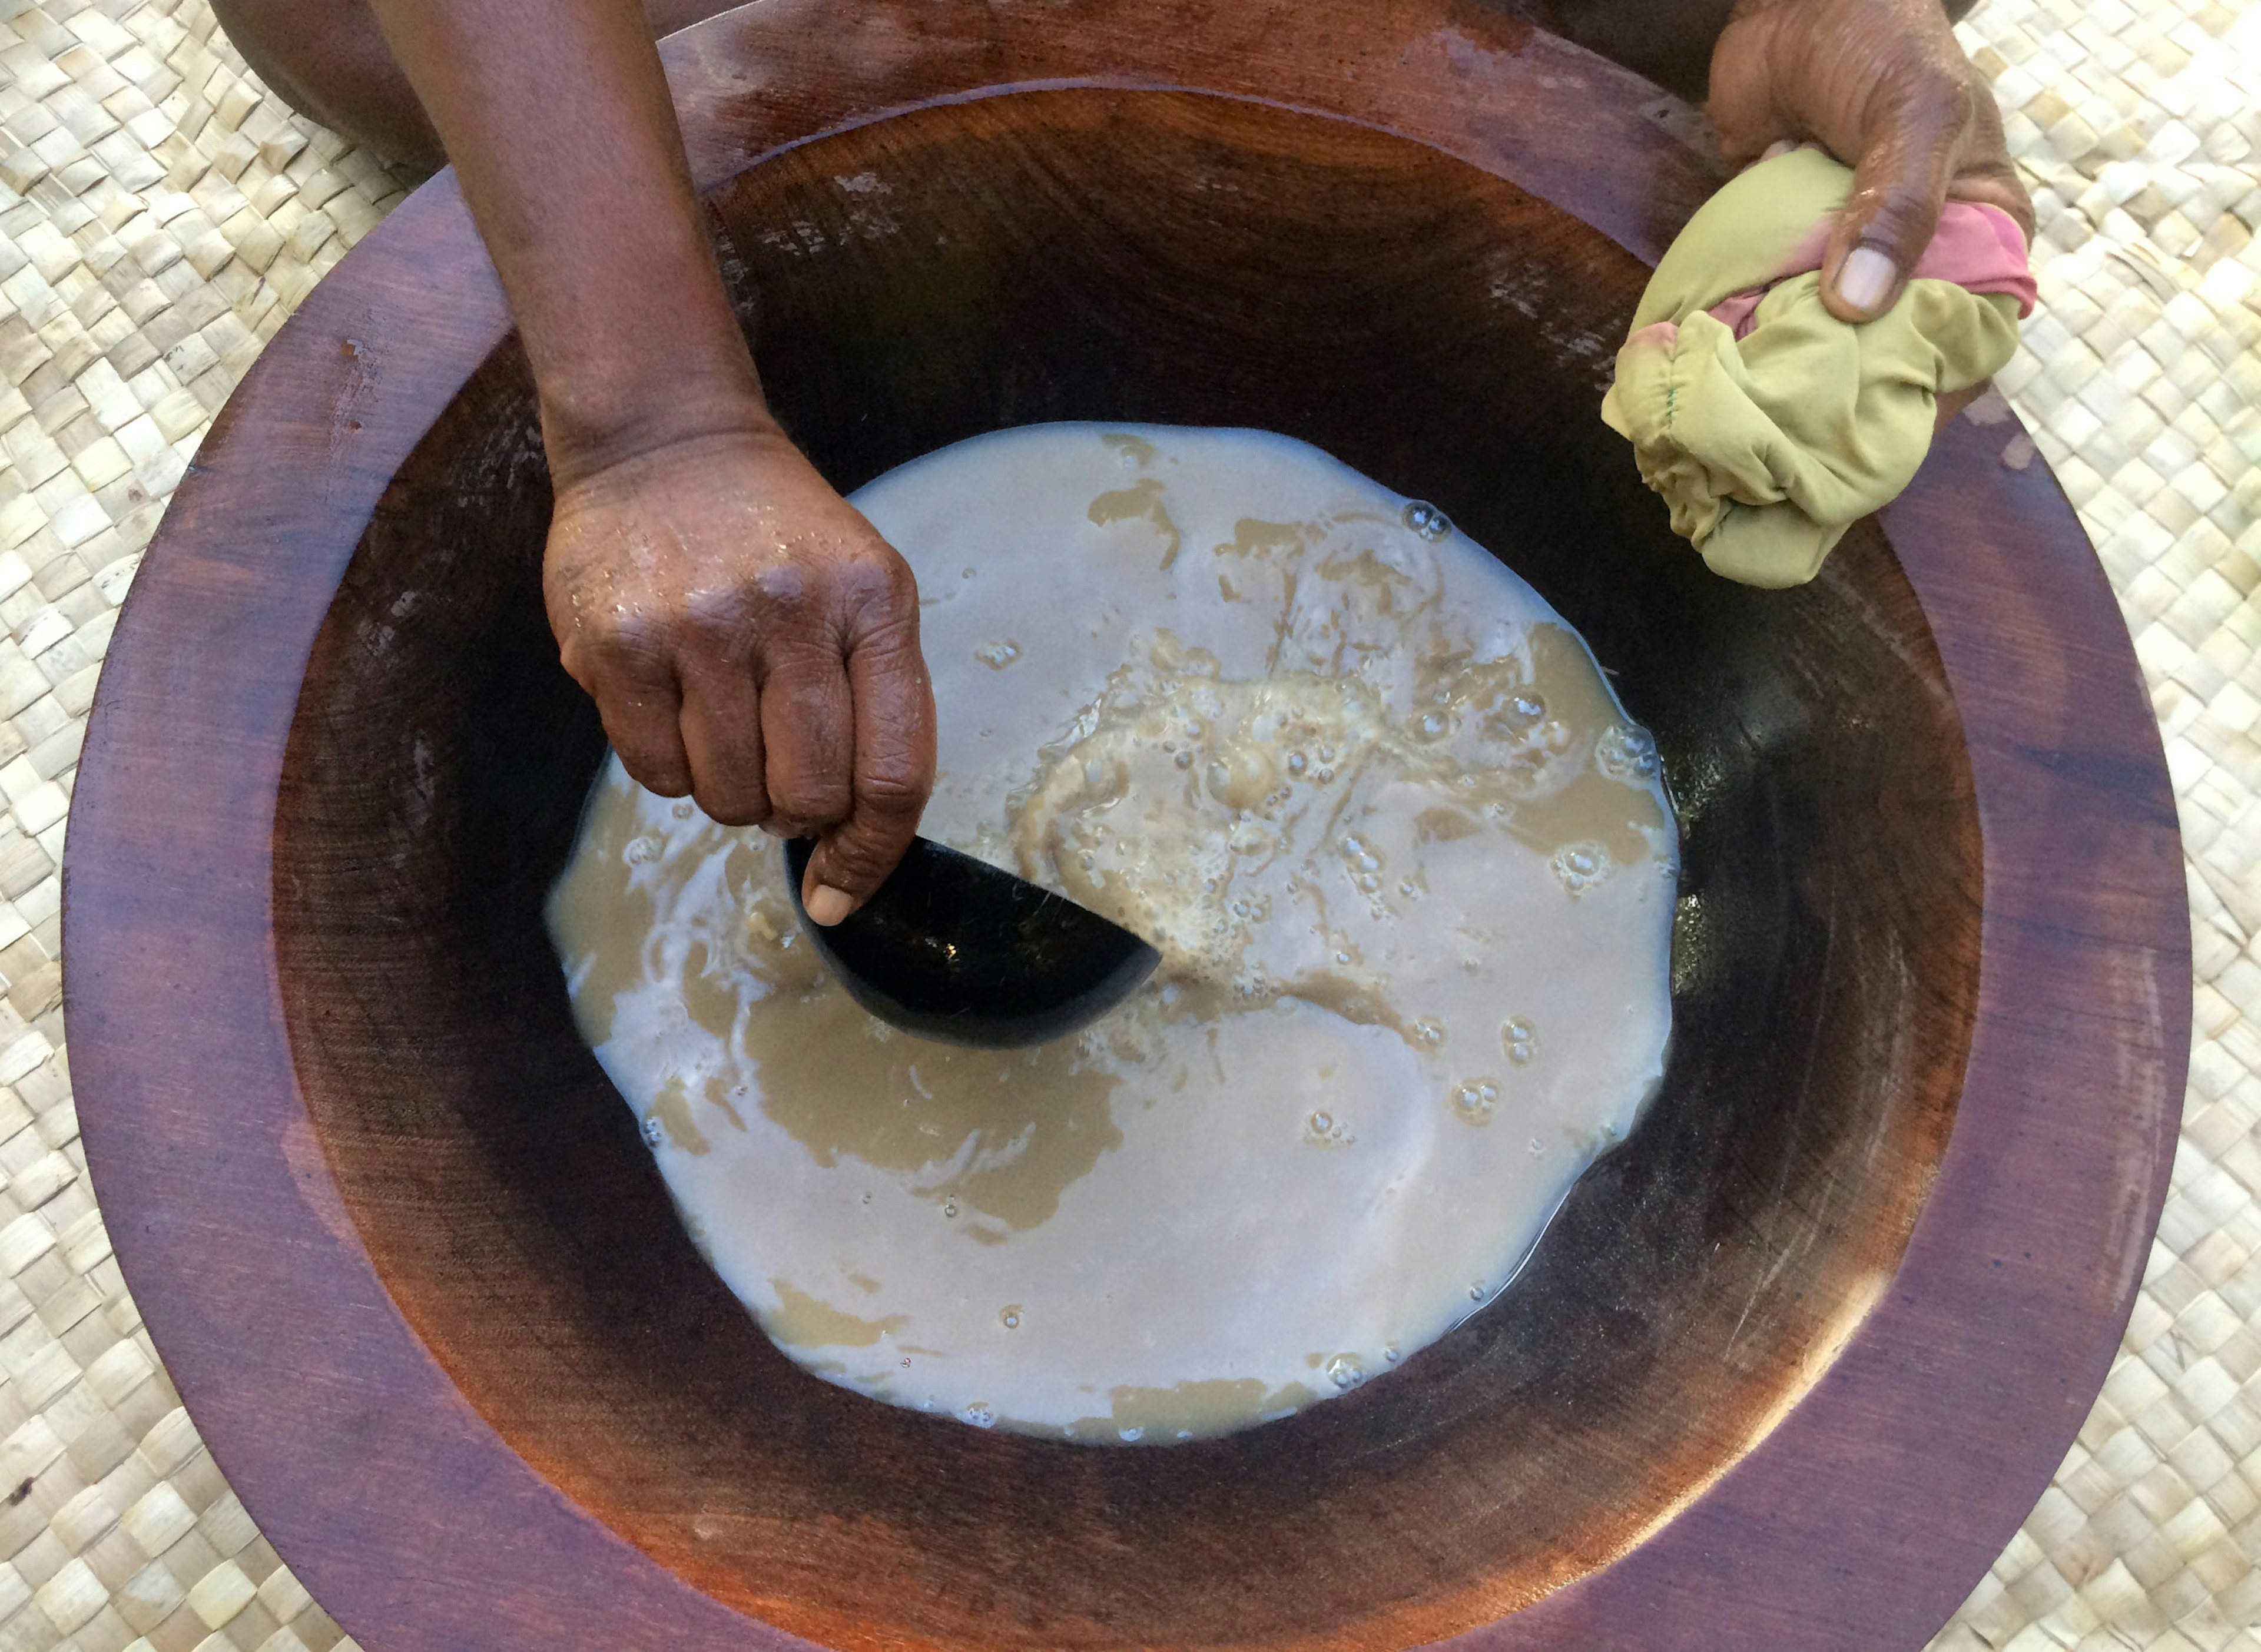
(1788, 1367)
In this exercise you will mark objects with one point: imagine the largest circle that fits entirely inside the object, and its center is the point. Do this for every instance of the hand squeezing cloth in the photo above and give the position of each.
(1770, 426)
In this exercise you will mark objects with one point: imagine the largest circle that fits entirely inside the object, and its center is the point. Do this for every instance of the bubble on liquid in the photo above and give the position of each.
(1129, 1436)
(1520, 1039)
(978, 1413)
(1476, 1292)
(1321, 1122)
(997, 655)
(950, 1207)
(1430, 1030)
(1433, 725)
(1427, 520)
(907, 1359)
(1627, 752)
(1473, 1100)
(1184, 759)
(1011, 1318)
(655, 1133)
(642, 851)
(1344, 1372)
(1538, 1148)
(1390, 1353)
(681, 811)
(1322, 774)
(1526, 711)
(1296, 762)
(1581, 865)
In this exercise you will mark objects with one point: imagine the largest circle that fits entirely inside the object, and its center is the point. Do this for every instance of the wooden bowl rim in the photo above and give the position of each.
(1861, 1519)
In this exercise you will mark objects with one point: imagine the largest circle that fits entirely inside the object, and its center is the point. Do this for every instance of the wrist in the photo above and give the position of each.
(587, 433)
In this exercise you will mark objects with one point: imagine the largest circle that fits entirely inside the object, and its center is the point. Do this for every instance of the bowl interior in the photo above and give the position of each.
(1186, 259)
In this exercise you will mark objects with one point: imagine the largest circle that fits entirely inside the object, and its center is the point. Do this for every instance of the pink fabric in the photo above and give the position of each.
(1980, 247)
(1977, 246)
(1735, 311)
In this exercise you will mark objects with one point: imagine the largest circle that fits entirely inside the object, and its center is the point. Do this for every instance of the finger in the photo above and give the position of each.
(1899, 184)
(721, 728)
(643, 712)
(893, 770)
(808, 738)
(1741, 100)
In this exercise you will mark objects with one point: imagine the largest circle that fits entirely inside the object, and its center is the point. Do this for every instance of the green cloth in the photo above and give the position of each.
(1768, 447)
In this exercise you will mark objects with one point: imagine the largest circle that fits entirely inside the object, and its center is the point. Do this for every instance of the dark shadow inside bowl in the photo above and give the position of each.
(1176, 259)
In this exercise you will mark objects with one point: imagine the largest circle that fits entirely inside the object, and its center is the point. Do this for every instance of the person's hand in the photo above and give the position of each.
(752, 642)
(1884, 87)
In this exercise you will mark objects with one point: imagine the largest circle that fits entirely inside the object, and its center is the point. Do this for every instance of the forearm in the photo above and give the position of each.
(557, 116)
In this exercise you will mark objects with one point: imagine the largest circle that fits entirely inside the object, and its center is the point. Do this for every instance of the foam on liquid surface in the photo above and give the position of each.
(1411, 870)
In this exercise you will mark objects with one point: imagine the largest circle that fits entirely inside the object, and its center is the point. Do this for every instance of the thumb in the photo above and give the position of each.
(852, 860)
(1899, 186)
(894, 773)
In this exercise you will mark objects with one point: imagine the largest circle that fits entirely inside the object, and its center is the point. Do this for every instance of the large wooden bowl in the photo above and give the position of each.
(1784, 1374)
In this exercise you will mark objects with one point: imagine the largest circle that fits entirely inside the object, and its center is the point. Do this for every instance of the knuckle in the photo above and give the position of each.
(631, 645)
(1931, 120)
(1932, 91)
(880, 587)
(892, 797)
(894, 785)
(1957, 101)
(715, 625)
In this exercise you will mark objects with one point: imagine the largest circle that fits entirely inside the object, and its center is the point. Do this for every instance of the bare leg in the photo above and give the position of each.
(328, 60)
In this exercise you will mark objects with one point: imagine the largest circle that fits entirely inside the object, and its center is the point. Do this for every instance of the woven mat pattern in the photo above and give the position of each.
(160, 214)
(2140, 135)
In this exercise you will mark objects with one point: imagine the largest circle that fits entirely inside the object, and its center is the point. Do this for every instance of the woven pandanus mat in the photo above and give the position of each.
(160, 214)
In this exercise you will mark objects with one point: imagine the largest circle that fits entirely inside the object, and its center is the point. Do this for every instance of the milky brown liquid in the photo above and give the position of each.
(1409, 868)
